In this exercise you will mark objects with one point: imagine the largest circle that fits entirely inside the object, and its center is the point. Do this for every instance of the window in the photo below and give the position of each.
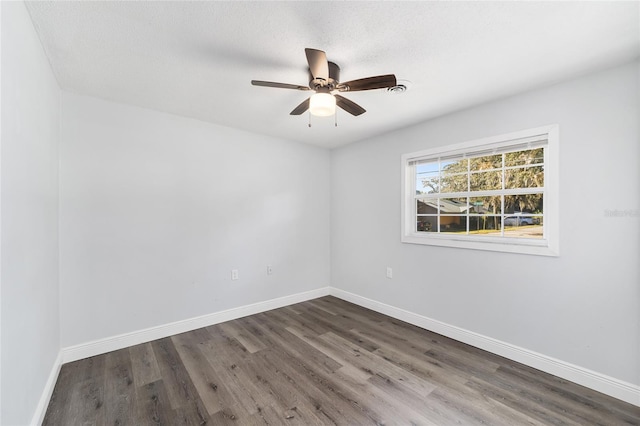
(498, 193)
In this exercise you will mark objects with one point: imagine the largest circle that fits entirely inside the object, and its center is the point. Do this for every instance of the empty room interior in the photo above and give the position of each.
(306, 213)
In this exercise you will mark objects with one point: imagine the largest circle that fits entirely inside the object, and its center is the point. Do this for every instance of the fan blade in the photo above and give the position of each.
(349, 106)
(301, 108)
(369, 83)
(318, 64)
(278, 85)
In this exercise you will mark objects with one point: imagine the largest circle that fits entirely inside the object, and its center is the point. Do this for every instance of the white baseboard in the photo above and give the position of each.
(608, 385)
(43, 403)
(101, 346)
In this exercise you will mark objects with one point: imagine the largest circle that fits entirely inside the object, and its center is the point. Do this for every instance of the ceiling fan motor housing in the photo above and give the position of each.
(334, 78)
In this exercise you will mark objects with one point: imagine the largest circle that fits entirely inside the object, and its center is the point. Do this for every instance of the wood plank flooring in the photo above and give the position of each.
(322, 362)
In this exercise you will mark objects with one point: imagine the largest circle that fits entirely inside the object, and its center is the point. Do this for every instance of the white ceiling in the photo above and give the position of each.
(197, 59)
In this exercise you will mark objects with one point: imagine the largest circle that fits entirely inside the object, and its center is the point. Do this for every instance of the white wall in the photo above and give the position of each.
(157, 209)
(29, 217)
(582, 307)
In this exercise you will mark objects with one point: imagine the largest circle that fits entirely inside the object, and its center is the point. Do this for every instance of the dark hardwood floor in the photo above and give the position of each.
(320, 362)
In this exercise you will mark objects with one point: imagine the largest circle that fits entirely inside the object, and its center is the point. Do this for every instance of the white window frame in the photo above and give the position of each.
(547, 246)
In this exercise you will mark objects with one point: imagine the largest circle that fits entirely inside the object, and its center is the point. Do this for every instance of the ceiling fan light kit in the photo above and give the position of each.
(325, 81)
(322, 104)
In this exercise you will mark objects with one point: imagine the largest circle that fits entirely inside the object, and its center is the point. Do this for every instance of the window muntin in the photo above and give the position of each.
(494, 191)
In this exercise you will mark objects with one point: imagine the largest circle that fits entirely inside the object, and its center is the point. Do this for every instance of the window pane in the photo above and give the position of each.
(524, 177)
(484, 181)
(522, 226)
(427, 224)
(454, 183)
(453, 224)
(427, 178)
(485, 225)
(453, 205)
(454, 166)
(427, 206)
(487, 162)
(524, 203)
(521, 158)
(485, 205)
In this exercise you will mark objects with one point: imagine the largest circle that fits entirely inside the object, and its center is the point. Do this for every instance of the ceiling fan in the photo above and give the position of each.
(325, 81)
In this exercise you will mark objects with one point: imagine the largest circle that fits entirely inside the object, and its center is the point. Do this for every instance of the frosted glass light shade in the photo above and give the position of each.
(322, 104)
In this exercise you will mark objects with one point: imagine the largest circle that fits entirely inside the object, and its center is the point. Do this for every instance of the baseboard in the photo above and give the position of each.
(608, 385)
(101, 346)
(43, 403)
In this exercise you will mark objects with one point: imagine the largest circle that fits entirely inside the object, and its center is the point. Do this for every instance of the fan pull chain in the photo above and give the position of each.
(335, 119)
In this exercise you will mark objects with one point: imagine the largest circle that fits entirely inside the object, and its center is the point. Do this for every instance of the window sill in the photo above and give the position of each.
(532, 247)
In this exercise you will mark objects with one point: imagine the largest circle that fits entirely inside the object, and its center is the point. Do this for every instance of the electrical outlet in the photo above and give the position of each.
(234, 274)
(389, 272)
(269, 270)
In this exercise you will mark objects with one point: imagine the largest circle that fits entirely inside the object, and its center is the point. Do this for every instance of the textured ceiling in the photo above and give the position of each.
(197, 59)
